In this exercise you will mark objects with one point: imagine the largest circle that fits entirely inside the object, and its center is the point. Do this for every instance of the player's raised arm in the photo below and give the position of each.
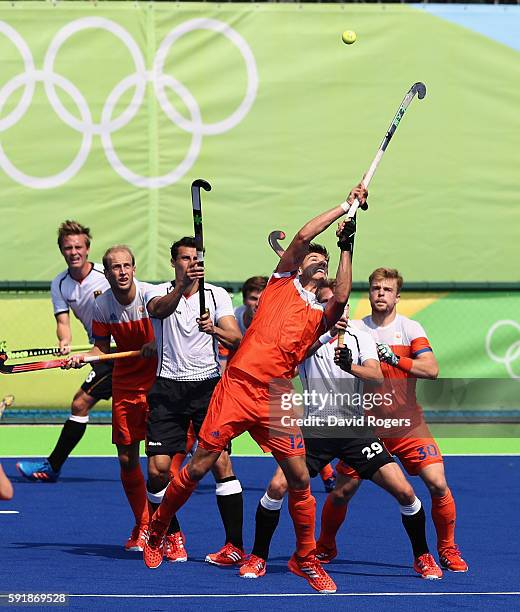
(162, 307)
(336, 306)
(296, 251)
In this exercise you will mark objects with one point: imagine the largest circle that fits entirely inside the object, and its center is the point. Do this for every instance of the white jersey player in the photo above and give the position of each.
(187, 372)
(75, 289)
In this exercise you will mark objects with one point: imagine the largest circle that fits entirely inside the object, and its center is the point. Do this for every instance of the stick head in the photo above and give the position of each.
(273, 241)
(420, 89)
(201, 183)
(277, 235)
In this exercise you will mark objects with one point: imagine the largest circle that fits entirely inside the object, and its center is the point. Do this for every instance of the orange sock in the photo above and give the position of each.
(302, 508)
(444, 515)
(332, 518)
(175, 465)
(191, 438)
(177, 494)
(135, 490)
(327, 472)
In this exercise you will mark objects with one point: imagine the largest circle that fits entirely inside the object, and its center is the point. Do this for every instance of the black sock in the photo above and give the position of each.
(231, 509)
(415, 526)
(71, 434)
(174, 526)
(266, 522)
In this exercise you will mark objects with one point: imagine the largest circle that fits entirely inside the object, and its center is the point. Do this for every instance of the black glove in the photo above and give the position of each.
(343, 358)
(348, 233)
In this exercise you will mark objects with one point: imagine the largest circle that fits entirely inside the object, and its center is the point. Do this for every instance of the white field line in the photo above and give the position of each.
(250, 595)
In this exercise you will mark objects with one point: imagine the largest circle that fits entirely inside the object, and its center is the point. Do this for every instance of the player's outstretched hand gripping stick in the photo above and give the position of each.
(33, 366)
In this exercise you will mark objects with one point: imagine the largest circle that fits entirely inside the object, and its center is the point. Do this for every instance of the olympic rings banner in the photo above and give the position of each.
(109, 111)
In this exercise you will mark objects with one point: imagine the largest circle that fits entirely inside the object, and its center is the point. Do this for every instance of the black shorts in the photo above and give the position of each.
(98, 383)
(365, 455)
(174, 404)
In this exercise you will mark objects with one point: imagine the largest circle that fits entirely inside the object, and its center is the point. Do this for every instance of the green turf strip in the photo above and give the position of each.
(39, 440)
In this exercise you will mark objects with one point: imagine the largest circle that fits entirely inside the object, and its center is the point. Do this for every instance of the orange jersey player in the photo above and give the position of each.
(251, 293)
(288, 321)
(121, 313)
(405, 354)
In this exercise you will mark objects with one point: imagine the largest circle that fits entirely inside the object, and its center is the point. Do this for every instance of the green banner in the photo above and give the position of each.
(108, 111)
(473, 335)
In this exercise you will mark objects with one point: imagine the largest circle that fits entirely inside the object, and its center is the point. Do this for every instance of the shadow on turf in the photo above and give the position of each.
(108, 551)
(62, 479)
(278, 565)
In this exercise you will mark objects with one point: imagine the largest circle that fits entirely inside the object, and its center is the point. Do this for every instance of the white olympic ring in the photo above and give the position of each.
(109, 124)
(511, 354)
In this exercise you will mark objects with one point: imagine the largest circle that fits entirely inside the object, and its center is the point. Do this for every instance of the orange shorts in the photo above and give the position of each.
(241, 403)
(129, 413)
(414, 454)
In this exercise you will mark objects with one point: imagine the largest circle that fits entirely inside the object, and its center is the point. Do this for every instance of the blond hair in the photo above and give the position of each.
(73, 228)
(113, 249)
(386, 273)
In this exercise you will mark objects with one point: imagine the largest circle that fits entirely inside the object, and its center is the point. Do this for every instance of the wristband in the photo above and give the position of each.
(325, 338)
(345, 206)
(405, 364)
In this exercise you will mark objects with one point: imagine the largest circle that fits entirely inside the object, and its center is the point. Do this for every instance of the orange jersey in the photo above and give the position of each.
(288, 321)
(130, 327)
(406, 338)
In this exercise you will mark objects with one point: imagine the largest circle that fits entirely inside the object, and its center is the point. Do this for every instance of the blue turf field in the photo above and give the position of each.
(68, 538)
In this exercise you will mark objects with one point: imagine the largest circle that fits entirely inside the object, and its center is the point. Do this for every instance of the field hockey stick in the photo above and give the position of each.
(199, 238)
(341, 332)
(274, 244)
(37, 352)
(33, 366)
(416, 88)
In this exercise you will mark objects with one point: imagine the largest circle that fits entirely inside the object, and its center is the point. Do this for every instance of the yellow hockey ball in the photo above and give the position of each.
(348, 37)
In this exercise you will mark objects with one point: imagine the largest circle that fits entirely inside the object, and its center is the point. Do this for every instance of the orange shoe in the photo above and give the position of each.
(324, 553)
(451, 559)
(153, 550)
(254, 567)
(174, 550)
(310, 568)
(229, 554)
(137, 538)
(427, 568)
